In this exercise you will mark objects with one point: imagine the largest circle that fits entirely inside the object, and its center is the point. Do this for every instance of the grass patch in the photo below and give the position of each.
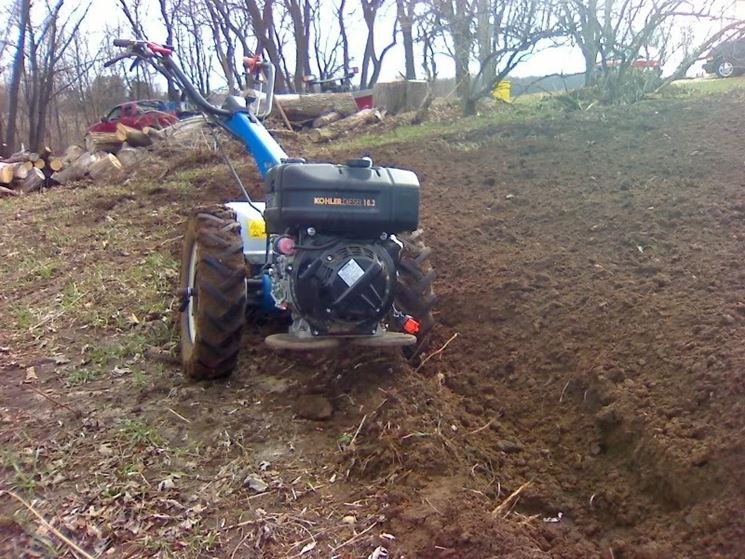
(82, 376)
(710, 86)
(135, 432)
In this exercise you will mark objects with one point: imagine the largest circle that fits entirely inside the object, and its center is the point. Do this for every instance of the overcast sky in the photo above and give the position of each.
(551, 60)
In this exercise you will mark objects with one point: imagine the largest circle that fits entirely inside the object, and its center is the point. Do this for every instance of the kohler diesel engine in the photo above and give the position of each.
(333, 249)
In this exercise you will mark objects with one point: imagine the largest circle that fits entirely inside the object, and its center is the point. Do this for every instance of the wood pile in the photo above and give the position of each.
(106, 157)
(26, 171)
(325, 116)
(337, 128)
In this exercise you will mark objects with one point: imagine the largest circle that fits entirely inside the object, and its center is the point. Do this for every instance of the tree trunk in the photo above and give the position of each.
(129, 157)
(72, 153)
(34, 181)
(469, 106)
(325, 120)
(344, 39)
(7, 172)
(102, 141)
(15, 78)
(135, 138)
(107, 167)
(299, 108)
(77, 169)
(404, 12)
(333, 131)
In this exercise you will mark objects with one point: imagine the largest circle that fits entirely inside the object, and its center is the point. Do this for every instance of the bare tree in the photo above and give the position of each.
(326, 44)
(24, 7)
(496, 34)
(193, 44)
(299, 12)
(405, 13)
(47, 44)
(341, 19)
(616, 37)
(372, 62)
(262, 22)
(168, 11)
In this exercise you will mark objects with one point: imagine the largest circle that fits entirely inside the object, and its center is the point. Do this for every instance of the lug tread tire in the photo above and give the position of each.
(414, 291)
(221, 293)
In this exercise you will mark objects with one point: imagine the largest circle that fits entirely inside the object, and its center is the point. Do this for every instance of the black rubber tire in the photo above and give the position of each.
(414, 290)
(220, 286)
(718, 71)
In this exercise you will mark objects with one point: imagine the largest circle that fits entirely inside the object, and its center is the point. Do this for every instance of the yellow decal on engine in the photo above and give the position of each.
(257, 229)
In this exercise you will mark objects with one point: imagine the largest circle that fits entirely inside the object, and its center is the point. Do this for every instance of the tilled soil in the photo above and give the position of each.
(587, 400)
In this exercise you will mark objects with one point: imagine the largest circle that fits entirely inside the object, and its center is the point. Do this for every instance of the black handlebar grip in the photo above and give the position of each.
(123, 43)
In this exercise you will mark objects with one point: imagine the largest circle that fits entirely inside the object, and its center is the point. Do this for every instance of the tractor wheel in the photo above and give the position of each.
(414, 292)
(725, 68)
(213, 287)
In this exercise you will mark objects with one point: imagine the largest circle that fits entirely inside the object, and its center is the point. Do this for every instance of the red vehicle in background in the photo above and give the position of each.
(137, 114)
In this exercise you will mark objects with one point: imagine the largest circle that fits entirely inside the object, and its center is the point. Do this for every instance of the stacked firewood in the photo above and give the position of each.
(26, 171)
(105, 157)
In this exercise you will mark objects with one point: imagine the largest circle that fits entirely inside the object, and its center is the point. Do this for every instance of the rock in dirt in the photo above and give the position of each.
(509, 447)
(313, 406)
(255, 483)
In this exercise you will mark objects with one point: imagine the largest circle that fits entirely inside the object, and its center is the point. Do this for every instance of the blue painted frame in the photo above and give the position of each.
(259, 143)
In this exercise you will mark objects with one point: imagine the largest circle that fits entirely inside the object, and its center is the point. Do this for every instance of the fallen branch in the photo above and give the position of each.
(8, 192)
(354, 538)
(431, 355)
(77, 413)
(506, 506)
(71, 544)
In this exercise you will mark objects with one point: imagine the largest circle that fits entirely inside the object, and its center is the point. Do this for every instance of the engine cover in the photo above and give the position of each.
(356, 199)
(344, 287)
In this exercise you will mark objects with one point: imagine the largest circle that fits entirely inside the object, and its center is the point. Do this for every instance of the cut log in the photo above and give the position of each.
(105, 168)
(77, 169)
(7, 172)
(40, 163)
(102, 141)
(22, 156)
(34, 181)
(328, 118)
(129, 157)
(22, 169)
(283, 134)
(55, 164)
(134, 137)
(333, 131)
(300, 108)
(8, 192)
(153, 133)
(72, 153)
(45, 152)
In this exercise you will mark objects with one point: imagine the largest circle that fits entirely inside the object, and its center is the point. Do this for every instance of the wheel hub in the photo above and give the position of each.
(191, 294)
(726, 69)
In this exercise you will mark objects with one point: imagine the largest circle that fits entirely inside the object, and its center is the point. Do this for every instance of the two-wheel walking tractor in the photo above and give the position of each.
(334, 247)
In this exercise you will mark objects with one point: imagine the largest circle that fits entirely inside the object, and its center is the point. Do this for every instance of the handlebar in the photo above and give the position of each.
(159, 56)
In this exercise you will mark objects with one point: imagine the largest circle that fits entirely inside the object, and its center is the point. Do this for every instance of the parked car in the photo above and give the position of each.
(137, 114)
(727, 59)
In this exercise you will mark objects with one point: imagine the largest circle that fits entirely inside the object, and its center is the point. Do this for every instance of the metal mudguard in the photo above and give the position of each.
(253, 230)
